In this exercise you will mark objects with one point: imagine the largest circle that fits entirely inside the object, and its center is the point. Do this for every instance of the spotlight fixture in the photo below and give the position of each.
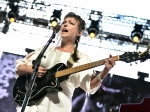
(2, 16)
(12, 15)
(5, 28)
(93, 29)
(137, 33)
(55, 18)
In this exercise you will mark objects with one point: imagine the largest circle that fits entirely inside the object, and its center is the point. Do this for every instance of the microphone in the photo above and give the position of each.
(29, 50)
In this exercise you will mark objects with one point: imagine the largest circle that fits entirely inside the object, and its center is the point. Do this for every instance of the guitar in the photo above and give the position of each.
(51, 80)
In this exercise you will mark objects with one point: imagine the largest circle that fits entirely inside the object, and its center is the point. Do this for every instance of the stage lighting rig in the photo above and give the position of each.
(55, 18)
(137, 33)
(2, 16)
(93, 29)
(12, 15)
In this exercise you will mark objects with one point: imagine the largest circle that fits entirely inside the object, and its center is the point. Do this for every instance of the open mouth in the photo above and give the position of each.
(64, 30)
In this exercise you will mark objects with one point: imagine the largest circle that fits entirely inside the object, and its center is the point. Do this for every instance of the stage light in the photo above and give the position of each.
(92, 35)
(93, 29)
(2, 16)
(12, 15)
(135, 39)
(137, 33)
(55, 18)
(54, 23)
(5, 28)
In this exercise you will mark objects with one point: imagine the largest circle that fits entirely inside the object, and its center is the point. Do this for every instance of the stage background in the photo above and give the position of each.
(7, 80)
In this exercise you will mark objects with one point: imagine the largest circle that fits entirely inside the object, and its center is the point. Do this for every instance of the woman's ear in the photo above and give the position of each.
(79, 33)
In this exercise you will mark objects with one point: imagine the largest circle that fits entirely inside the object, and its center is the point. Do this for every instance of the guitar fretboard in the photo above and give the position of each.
(82, 67)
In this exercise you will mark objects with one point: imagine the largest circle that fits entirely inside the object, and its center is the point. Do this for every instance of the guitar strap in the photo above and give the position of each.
(70, 61)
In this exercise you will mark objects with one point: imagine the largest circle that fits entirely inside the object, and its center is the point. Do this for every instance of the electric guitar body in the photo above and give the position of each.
(43, 85)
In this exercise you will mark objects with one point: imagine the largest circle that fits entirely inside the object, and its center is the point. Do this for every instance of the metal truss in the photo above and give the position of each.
(113, 27)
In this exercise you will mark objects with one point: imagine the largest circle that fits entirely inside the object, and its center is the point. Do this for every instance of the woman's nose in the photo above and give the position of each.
(65, 24)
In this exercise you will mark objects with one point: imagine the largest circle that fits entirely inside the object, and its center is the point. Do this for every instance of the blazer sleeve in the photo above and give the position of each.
(83, 78)
(27, 60)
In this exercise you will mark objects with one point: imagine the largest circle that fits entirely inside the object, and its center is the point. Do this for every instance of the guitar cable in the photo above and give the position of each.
(16, 98)
(12, 103)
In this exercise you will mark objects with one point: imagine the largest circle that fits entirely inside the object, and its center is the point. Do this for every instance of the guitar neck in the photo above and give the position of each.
(82, 67)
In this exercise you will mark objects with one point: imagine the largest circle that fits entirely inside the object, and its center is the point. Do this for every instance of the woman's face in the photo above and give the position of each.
(69, 29)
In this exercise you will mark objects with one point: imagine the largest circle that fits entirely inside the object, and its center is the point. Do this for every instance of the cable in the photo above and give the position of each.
(12, 103)
(85, 102)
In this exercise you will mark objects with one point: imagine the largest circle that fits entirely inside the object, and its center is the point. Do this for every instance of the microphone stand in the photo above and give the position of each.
(36, 64)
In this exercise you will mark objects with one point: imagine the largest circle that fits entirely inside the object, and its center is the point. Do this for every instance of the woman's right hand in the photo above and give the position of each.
(41, 71)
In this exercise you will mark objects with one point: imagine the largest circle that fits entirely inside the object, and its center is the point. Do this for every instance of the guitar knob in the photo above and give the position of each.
(130, 64)
(52, 83)
(44, 56)
(136, 63)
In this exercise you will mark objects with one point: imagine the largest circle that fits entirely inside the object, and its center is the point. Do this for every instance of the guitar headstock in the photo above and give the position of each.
(134, 56)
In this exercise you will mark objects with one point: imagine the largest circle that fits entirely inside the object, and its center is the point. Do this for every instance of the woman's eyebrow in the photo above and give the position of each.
(72, 21)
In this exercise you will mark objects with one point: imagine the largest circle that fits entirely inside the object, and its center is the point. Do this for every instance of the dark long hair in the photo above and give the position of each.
(81, 26)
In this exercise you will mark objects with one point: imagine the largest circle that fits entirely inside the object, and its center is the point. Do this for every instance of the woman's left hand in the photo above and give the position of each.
(109, 64)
